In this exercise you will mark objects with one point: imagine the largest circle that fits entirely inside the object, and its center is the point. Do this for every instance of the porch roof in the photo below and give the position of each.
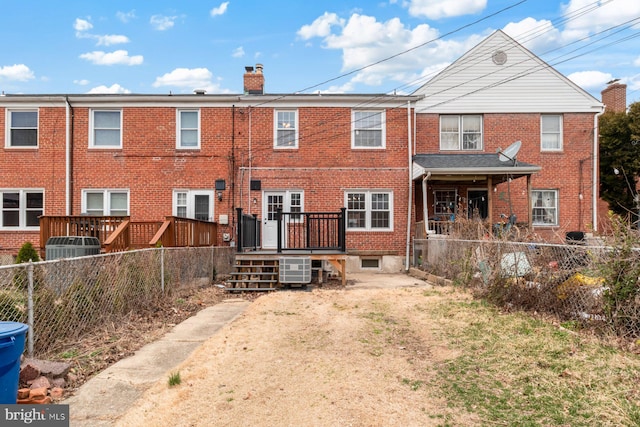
(469, 166)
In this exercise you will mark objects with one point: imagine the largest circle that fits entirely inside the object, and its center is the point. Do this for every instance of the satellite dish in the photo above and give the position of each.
(510, 152)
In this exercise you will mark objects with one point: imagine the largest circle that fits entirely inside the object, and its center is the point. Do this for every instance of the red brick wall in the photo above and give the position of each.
(324, 166)
(41, 168)
(568, 171)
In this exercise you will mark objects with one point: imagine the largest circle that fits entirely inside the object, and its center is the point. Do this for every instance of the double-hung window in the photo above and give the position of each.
(106, 129)
(103, 202)
(286, 129)
(22, 128)
(369, 210)
(544, 207)
(461, 132)
(368, 129)
(21, 208)
(551, 132)
(188, 129)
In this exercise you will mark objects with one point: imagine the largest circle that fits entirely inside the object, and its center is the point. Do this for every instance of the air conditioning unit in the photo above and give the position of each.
(295, 269)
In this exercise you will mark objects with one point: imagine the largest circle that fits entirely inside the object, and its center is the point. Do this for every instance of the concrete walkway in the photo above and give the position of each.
(105, 397)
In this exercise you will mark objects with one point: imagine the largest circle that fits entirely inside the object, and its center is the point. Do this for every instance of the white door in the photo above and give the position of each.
(273, 200)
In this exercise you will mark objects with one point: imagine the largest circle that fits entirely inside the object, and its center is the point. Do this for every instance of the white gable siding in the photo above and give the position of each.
(475, 84)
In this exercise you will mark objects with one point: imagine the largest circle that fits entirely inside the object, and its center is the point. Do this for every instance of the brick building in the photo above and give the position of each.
(391, 160)
(499, 131)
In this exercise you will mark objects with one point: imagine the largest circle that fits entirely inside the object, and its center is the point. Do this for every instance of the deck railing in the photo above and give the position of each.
(311, 230)
(176, 231)
(248, 231)
(119, 233)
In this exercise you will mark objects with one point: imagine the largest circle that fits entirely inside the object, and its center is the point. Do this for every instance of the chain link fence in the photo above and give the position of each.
(62, 300)
(592, 286)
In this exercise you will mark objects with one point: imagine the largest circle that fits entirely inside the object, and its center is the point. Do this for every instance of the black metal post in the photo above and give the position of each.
(240, 232)
(279, 220)
(342, 229)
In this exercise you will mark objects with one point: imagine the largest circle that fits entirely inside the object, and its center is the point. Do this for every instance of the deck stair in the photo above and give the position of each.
(254, 274)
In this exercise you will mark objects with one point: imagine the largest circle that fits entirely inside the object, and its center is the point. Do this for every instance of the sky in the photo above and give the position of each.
(345, 46)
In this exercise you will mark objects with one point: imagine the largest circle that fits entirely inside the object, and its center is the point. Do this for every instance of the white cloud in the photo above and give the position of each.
(534, 35)
(364, 41)
(238, 52)
(606, 15)
(185, 77)
(126, 16)
(114, 88)
(436, 9)
(590, 80)
(16, 72)
(108, 40)
(636, 63)
(220, 10)
(189, 79)
(82, 82)
(320, 27)
(118, 57)
(162, 23)
(82, 25)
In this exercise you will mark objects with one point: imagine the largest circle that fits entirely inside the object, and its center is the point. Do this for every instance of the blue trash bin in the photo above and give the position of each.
(12, 336)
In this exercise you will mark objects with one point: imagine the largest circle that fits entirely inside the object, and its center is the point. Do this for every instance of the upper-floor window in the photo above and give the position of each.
(286, 129)
(188, 129)
(544, 207)
(368, 129)
(461, 132)
(551, 132)
(369, 210)
(106, 129)
(105, 202)
(21, 208)
(22, 128)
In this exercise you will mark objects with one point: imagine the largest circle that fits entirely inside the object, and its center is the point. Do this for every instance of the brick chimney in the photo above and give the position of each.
(614, 97)
(253, 80)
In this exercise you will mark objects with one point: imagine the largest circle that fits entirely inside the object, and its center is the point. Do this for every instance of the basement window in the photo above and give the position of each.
(370, 263)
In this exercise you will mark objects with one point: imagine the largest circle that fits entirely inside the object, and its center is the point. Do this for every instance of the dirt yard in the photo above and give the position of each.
(327, 357)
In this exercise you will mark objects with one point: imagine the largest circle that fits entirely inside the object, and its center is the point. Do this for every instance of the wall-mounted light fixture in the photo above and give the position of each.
(221, 185)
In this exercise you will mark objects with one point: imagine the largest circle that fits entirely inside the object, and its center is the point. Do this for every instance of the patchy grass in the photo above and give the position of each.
(514, 369)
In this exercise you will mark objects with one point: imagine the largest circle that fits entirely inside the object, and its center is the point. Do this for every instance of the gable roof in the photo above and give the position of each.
(500, 75)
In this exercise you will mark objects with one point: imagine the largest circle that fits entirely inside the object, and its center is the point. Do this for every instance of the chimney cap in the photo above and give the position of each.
(249, 68)
(199, 91)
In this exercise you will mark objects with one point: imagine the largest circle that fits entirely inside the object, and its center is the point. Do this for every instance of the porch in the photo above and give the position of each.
(119, 233)
(313, 236)
(485, 187)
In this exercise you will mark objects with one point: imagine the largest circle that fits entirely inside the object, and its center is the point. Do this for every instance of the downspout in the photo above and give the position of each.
(595, 181)
(249, 204)
(410, 192)
(69, 159)
(233, 165)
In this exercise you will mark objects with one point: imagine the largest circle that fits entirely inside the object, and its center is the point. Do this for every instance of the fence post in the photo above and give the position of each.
(342, 229)
(30, 308)
(240, 231)
(162, 269)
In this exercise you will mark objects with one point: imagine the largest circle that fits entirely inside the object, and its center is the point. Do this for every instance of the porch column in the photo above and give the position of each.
(490, 200)
(529, 211)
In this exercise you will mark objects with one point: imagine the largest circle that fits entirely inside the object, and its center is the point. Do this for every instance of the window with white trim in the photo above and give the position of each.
(286, 129)
(369, 210)
(105, 202)
(22, 129)
(551, 132)
(21, 208)
(105, 129)
(368, 129)
(461, 132)
(544, 205)
(194, 204)
(188, 135)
